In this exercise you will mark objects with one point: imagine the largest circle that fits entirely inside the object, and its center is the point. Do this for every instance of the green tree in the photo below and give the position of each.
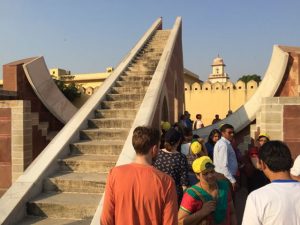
(247, 78)
(70, 91)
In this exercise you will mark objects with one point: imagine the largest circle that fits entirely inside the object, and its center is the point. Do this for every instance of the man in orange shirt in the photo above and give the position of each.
(137, 193)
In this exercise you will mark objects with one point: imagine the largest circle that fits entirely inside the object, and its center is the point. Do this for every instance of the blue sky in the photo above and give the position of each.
(88, 36)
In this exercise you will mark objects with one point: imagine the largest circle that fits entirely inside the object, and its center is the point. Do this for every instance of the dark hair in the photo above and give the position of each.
(172, 137)
(196, 136)
(144, 138)
(212, 134)
(226, 126)
(276, 155)
(187, 131)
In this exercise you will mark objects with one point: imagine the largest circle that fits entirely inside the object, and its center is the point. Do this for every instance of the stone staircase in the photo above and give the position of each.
(73, 193)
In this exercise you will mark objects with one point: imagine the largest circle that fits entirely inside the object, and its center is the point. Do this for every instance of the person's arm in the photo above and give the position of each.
(193, 219)
(170, 209)
(108, 212)
(221, 162)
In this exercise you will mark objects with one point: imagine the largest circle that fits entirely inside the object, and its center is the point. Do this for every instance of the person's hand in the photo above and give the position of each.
(208, 207)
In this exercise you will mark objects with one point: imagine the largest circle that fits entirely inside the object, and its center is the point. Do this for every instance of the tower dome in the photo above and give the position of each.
(218, 61)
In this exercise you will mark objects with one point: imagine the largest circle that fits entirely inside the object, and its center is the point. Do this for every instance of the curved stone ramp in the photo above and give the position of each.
(45, 88)
(267, 88)
(30, 184)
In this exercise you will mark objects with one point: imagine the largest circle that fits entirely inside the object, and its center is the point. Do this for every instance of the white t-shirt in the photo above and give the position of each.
(277, 203)
(198, 124)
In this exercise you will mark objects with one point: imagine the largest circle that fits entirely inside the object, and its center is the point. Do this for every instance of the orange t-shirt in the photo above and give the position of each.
(139, 194)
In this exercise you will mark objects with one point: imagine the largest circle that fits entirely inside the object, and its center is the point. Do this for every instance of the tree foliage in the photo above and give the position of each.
(70, 91)
(247, 78)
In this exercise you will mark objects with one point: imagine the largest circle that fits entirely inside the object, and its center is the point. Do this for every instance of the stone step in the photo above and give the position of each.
(149, 61)
(162, 33)
(150, 54)
(129, 90)
(136, 78)
(88, 163)
(160, 37)
(147, 58)
(97, 147)
(120, 104)
(113, 113)
(76, 182)
(137, 72)
(156, 44)
(64, 205)
(142, 64)
(151, 49)
(140, 59)
(125, 97)
(133, 83)
(141, 69)
(104, 134)
(158, 40)
(34, 220)
(110, 123)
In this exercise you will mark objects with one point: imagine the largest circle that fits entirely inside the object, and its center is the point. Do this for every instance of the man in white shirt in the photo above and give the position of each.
(224, 156)
(278, 202)
(198, 122)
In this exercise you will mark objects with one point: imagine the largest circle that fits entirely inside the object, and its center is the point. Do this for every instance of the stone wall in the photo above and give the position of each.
(209, 99)
(279, 117)
(16, 140)
(5, 147)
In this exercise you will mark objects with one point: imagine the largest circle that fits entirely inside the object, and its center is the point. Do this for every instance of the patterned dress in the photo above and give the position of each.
(175, 164)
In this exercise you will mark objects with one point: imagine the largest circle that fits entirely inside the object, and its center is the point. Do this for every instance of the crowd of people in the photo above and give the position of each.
(179, 178)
